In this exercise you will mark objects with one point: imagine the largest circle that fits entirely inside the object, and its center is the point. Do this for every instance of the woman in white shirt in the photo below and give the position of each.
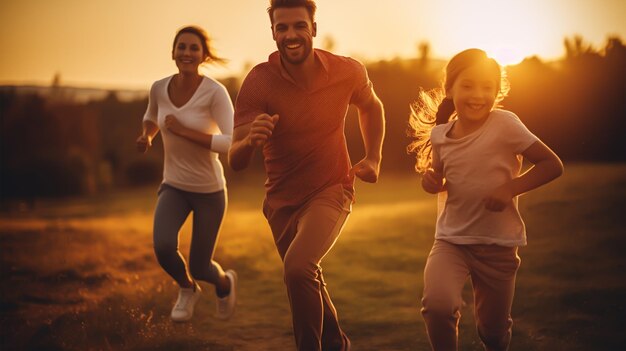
(195, 116)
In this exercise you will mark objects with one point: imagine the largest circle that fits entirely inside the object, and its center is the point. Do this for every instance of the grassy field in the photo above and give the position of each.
(79, 274)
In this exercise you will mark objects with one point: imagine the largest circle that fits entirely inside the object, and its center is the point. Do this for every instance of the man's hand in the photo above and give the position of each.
(432, 182)
(261, 129)
(367, 170)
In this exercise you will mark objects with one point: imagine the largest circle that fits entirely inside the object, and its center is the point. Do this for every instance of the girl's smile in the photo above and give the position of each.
(474, 94)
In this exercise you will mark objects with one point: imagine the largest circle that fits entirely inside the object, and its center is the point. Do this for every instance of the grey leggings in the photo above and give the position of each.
(172, 208)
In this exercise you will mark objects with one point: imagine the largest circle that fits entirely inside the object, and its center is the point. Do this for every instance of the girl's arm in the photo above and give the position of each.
(546, 167)
(433, 181)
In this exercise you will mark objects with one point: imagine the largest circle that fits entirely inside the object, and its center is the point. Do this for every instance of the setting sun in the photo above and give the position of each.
(128, 44)
(507, 56)
(508, 30)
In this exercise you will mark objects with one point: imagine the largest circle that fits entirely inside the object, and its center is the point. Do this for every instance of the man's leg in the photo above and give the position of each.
(303, 237)
(333, 338)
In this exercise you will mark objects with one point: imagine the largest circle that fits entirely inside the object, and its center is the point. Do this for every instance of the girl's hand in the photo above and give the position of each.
(432, 182)
(499, 199)
(173, 125)
(144, 143)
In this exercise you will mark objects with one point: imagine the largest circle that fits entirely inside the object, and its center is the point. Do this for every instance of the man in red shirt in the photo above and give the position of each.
(294, 106)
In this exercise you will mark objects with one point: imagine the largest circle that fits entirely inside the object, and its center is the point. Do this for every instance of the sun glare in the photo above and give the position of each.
(506, 56)
(508, 31)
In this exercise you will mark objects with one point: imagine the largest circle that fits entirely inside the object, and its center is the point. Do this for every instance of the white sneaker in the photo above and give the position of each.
(226, 305)
(187, 298)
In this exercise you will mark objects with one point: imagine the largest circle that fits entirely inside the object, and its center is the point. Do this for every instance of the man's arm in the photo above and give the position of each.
(241, 150)
(247, 137)
(372, 124)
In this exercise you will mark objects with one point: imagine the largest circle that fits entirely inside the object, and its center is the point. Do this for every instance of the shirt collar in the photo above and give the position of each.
(276, 62)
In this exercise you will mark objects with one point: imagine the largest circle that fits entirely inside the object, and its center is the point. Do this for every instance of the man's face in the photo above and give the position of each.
(293, 33)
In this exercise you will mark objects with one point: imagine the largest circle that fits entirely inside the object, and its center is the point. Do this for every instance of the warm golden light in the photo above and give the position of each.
(506, 56)
(127, 47)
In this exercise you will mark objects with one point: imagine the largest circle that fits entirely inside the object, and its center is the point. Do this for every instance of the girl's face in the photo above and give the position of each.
(188, 53)
(474, 93)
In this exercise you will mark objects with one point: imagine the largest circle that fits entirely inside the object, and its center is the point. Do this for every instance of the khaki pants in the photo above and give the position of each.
(303, 236)
(492, 270)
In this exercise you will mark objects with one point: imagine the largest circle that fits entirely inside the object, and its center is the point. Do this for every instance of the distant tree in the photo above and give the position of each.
(329, 43)
(576, 47)
(614, 47)
(56, 80)
(423, 49)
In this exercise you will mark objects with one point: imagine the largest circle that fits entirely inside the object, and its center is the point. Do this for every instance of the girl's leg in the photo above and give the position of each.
(493, 278)
(171, 211)
(444, 277)
(208, 213)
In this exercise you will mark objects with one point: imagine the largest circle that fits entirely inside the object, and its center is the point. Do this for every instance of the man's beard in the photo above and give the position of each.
(284, 52)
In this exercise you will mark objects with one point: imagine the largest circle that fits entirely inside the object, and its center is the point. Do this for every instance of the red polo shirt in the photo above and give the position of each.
(307, 151)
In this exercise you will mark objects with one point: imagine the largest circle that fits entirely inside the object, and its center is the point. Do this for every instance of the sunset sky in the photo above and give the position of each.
(127, 43)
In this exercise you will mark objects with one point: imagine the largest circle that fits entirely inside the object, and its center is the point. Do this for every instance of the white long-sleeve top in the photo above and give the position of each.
(189, 166)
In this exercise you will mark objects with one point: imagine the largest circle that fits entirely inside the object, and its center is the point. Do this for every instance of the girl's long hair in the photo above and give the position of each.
(432, 107)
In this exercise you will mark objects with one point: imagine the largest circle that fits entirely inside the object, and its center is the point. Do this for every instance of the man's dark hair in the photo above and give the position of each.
(308, 4)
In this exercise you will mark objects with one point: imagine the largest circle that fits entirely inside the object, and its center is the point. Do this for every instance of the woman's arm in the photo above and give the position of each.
(173, 125)
(223, 112)
(149, 131)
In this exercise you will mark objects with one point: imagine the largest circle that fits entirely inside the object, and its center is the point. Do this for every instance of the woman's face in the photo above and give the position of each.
(188, 53)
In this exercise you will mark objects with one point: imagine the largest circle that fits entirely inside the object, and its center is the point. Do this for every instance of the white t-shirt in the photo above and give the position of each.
(189, 166)
(473, 167)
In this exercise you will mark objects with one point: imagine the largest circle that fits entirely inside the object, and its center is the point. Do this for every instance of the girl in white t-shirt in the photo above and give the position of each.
(195, 116)
(470, 154)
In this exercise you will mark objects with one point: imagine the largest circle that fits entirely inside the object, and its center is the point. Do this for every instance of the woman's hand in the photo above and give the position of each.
(144, 143)
(173, 125)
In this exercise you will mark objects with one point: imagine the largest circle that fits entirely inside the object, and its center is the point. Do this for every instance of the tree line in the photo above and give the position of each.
(54, 146)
